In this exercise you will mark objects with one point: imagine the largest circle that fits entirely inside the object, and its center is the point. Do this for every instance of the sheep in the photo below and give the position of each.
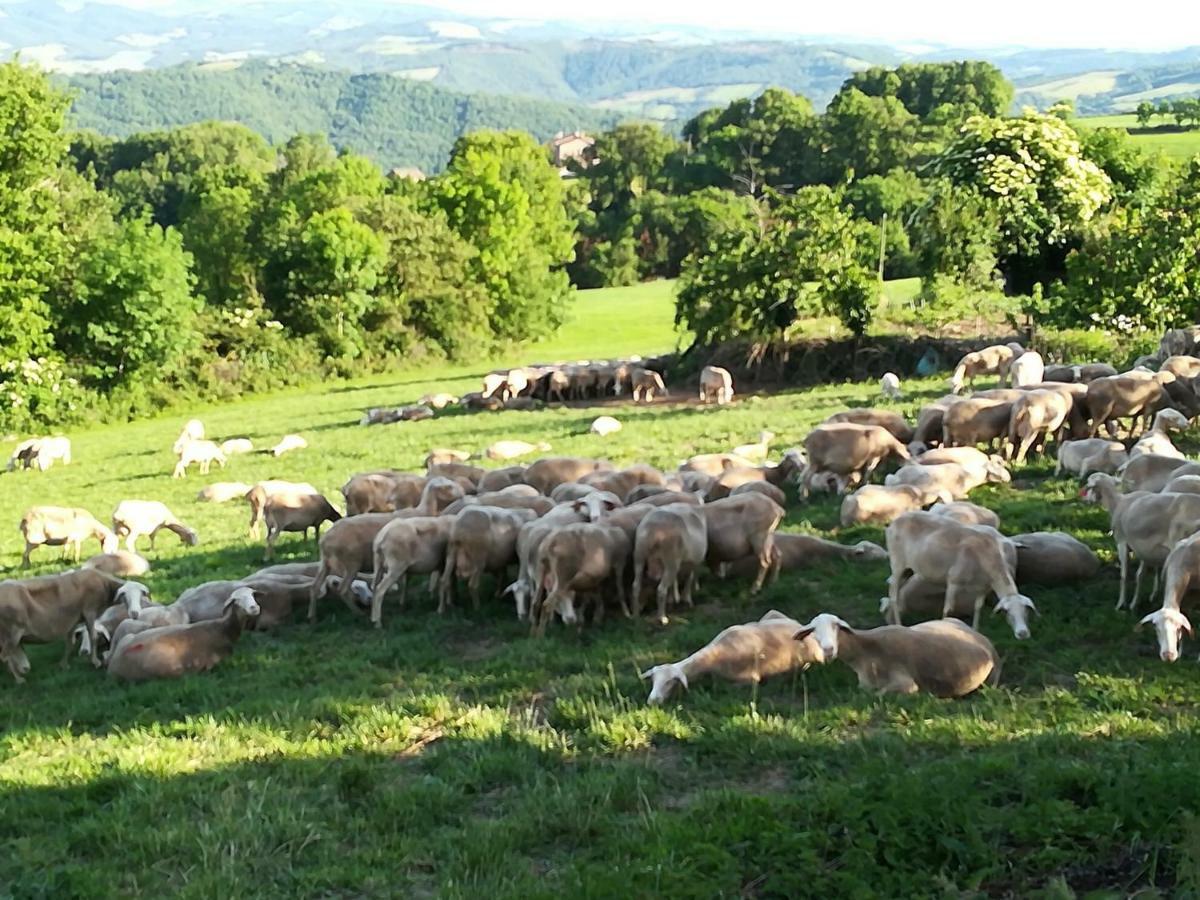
(743, 526)
(510, 449)
(966, 513)
(548, 473)
(756, 451)
(223, 492)
(509, 498)
(295, 511)
(889, 386)
(713, 464)
(1052, 557)
(1157, 440)
(482, 539)
(380, 415)
(927, 432)
(893, 421)
(1149, 471)
(404, 547)
(1181, 575)
(23, 454)
(716, 384)
(750, 487)
(944, 658)
(48, 608)
(1120, 396)
(874, 504)
(969, 560)
(849, 452)
(1091, 371)
(193, 430)
(493, 383)
(134, 518)
(977, 420)
(1035, 417)
(441, 456)
(40, 452)
(982, 467)
(583, 557)
(260, 492)
(1089, 455)
(993, 360)
(287, 444)
(1183, 484)
(1181, 366)
(176, 650)
(604, 426)
(791, 552)
(119, 564)
(438, 401)
(1168, 622)
(476, 402)
(670, 545)
(945, 481)
(647, 385)
(203, 453)
(385, 491)
(743, 654)
(789, 468)
(499, 479)
(234, 446)
(56, 526)
(1026, 369)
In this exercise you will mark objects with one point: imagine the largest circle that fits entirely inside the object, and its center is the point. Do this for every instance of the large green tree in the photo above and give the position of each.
(501, 194)
(970, 86)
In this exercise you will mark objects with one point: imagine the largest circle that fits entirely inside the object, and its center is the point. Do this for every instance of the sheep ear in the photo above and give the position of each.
(1187, 626)
(802, 634)
(649, 673)
(1146, 619)
(682, 679)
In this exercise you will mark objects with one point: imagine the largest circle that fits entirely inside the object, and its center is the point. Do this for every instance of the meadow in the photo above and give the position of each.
(1175, 145)
(456, 756)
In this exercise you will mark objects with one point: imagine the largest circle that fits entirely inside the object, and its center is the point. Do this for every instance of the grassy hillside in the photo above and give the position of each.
(393, 120)
(1172, 144)
(457, 756)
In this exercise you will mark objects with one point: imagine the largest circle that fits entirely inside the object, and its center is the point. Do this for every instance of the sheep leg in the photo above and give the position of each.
(317, 590)
(1123, 557)
(1154, 586)
(14, 657)
(639, 566)
(1137, 585)
(382, 586)
(763, 552)
(474, 582)
(899, 683)
(25, 556)
(448, 585)
(619, 582)
(272, 537)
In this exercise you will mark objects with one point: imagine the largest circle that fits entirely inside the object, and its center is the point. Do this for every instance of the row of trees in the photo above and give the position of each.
(205, 256)
(1183, 111)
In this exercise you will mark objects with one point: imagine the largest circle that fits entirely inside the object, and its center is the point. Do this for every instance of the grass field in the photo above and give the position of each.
(455, 756)
(1172, 144)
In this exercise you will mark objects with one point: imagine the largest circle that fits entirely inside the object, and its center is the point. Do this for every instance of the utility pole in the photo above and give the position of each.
(882, 244)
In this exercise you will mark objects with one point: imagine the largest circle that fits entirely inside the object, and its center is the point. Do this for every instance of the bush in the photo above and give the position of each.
(1084, 345)
(943, 299)
(37, 390)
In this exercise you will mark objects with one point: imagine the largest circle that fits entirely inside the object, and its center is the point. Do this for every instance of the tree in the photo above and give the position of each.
(867, 135)
(1133, 173)
(811, 259)
(1033, 173)
(973, 87)
(133, 314)
(1145, 111)
(503, 197)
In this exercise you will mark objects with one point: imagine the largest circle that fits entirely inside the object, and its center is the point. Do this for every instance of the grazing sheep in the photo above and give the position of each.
(1131, 395)
(744, 654)
(134, 518)
(757, 452)
(1036, 417)
(966, 513)
(548, 473)
(848, 452)
(647, 385)
(119, 564)
(288, 443)
(406, 547)
(978, 420)
(874, 504)
(259, 493)
(993, 360)
(295, 511)
(499, 479)
(669, 548)
(1157, 440)
(893, 421)
(743, 526)
(945, 658)
(234, 446)
(1026, 369)
(202, 453)
(1149, 471)
(604, 426)
(482, 539)
(1053, 557)
(48, 608)
(193, 430)
(175, 650)
(501, 450)
(385, 491)
(716, 384)
(750, 487)
(1182, 575)
(1089, 455)
(40, 453)
(889, 386)
(583, 557)
(1168, 623)
(1183, 484)
(223, 492)
(713, 464)
(56, 526)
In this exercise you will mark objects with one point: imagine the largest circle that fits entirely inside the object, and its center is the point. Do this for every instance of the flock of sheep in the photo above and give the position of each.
(574, 539)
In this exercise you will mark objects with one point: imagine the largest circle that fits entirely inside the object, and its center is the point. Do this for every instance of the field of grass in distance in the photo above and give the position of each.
(455, 756)
(1176, 145)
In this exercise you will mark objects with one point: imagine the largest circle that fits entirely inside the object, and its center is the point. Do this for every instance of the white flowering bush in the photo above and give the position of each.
(36, 391)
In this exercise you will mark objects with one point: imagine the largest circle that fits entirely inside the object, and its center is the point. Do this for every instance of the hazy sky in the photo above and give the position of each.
(1146, 24)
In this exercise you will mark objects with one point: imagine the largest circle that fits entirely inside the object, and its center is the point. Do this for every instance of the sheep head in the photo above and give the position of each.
(825, 629)
(1168, 622)
(996, 470)
(663, 680)
(242, 598)
(1016, 608)
(134, 595)
(1171, 420)
(869, 550)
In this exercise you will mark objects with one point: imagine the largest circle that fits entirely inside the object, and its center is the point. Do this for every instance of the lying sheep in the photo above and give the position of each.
(945, 482)
(874, 504)
(744, 654)
(792, 552)
(1083, 457)
(604, 426)
(443, 456)
(176, 650)
(789, 469)
(295, 511)
(438, 401)
(982, 467)
(223, 492)
(201, 453)
(511, 449)
(235, 446)
(287, 444)
(966, 513)
(119, 564)
(48, 608)
(669, 548)
(758, 450)
(133, 519)
(380, 415)
(716, 385)
(889, 386)
(56, 526)
(1053, 557)
(944, 658)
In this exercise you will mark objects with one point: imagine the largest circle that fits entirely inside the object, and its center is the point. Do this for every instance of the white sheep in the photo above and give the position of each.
(203, 453)
(193, 430)
(133, 519)
(889, 385)
(234, 446)
(604, 426)
(287, 443)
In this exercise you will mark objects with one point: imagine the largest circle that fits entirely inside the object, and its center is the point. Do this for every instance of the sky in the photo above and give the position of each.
(1144, 25)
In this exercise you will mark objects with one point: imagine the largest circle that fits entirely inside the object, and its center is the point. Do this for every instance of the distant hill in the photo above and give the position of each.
(1100, 91)
(392, 120)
